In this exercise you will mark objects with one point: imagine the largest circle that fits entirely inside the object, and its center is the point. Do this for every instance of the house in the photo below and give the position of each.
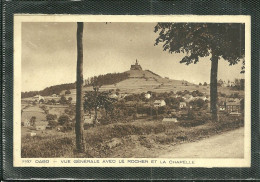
(188, 97)
(27, 123)
(147, 96)
(222, 106)
(88, 119)
(169, 119)
(38, 98)
(114, 96)
(225, 84)
(203, 98)
(183, 104)
(231, 84)
(235, 114)
(159, 103)
(32, 134)
(233, 106)
(41, 125)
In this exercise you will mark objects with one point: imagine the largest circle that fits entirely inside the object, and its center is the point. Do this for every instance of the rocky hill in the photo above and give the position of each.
(140, 80)
(135, 80)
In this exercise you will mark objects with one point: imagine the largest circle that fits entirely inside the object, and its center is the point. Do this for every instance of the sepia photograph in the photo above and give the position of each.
(147, 91)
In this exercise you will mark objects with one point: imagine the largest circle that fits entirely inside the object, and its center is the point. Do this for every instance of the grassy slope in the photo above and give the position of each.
(143, 81)
(29, 112)
(122, 139)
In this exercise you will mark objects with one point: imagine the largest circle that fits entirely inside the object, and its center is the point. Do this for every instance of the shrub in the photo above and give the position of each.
(63, 119)
(53, 123)
(63, 100)
(67, 92)
(192, 123)
(51, 117)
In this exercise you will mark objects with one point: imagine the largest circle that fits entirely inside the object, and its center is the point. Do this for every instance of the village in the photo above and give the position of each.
(56, 112)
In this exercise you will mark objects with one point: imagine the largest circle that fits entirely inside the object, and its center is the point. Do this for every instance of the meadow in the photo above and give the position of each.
(133, 139)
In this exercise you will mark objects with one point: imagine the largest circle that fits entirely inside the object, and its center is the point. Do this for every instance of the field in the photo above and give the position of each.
(31, 111)
(56, 109)
(134, 139)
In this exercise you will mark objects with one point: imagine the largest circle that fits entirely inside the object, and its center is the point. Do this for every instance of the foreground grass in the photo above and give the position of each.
(121, 139)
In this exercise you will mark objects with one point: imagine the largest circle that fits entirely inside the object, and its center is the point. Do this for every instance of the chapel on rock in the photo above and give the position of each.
(136, 66)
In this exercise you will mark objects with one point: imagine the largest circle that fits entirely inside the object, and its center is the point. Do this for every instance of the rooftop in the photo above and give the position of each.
(158, 101)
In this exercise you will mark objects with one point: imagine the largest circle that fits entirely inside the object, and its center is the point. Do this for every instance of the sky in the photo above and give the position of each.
(49, 54)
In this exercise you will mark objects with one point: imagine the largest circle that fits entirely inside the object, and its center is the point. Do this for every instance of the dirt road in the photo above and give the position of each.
(226, 145)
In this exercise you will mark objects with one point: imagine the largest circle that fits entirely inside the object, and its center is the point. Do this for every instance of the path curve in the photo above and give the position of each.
(226, 145)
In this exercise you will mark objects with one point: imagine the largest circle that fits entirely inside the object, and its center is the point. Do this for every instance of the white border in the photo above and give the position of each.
(193, 162)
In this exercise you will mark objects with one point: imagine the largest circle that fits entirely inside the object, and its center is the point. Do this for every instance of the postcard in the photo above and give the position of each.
(132, 91)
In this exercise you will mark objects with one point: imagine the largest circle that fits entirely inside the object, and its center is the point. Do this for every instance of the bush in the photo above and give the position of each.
(63, 119)
(195, 119)
(67, 92)
(53, 123)
(70, 111)
(51, 117)
(63, 100)
(192, 123)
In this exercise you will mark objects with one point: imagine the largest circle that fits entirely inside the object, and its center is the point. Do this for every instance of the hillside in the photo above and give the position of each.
(135, 80)
(144, 80)
(55, 89)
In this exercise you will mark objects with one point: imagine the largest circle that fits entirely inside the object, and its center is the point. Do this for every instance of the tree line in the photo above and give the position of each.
(107, 79)
(56, 89)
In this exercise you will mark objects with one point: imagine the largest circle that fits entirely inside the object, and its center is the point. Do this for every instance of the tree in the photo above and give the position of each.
(200, 84)
(242, 105)
(194, 93)
(69, 100)
(199, 103)
(53, 101)
(80, 143)
(63, 100)
(52, 123)
(67, 92)
(32, 121)
(95, 100)
(226, 40)
(64, 119)
(50, 117)
(205, 84)
(242, 84)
